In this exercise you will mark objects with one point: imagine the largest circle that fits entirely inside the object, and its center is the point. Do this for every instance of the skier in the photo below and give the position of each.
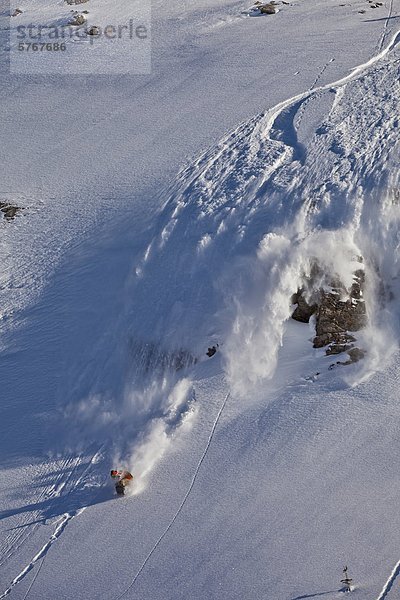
(123, 479)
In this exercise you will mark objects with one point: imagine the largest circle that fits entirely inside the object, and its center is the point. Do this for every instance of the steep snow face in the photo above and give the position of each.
(105, 148)
(298, 194)
(329, 198)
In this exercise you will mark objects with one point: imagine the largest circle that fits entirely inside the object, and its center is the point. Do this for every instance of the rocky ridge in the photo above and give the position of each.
(338, 311)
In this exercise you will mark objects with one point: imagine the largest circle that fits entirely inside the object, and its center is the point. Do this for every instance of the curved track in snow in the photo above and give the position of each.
(261, 174)
(264, 180)
(182, 504)
(237, 170)
(229, 187)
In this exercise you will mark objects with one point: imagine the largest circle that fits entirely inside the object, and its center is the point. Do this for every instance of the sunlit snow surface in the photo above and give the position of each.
(261, 472)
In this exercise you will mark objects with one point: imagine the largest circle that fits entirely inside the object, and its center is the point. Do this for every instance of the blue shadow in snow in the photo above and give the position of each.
(55, 507)
(317, 595)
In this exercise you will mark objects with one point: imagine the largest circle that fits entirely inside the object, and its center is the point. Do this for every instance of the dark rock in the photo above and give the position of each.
(356, 354)
(303, 310)
(211, 351)
(337, 349)
(267, 9)
(8, 210)
(340, 338)
(335, 317)
(337, 311)
(77, 20)
(94, 31)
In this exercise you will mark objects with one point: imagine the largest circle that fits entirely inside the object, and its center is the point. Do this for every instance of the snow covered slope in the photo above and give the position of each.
(259, 472)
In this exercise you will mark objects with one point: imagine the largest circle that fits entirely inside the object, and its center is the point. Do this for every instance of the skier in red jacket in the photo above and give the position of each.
(123, 479)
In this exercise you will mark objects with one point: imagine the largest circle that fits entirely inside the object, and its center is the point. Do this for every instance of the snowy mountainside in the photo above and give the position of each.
(325, 200)
(258, 472)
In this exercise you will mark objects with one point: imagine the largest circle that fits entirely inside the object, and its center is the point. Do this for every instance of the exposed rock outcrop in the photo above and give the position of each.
(94, 31)
(355, 354)
(267, 9)
(338, 311)
(77, 20)
(263, 8)
(337, 315)
(303, 311)
(9, 211)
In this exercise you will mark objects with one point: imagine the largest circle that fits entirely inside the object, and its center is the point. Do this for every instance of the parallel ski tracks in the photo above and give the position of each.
(386, 25)
(206, 162)
(61, 525)
(19, 536)
(69, 484)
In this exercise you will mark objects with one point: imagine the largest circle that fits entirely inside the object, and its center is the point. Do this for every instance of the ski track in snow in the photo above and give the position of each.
(214, 168)
(260, 176)
(319, 75)
(14, 542)
(18, 537)
(219, 180)
(70, 484)
(389, 584)
(385, 26)
(258, 130)
(185, 498)
(301, 111)
(43, 551)
(28, 591)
